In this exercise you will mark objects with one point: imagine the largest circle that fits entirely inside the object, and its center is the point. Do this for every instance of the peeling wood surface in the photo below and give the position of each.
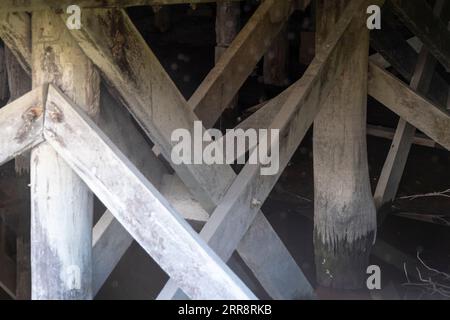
(21, 124)
(159, 108)
(140, 208)
(236, 64)
(432, 120)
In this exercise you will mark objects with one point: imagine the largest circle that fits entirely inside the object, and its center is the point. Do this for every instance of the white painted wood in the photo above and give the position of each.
(61, 204)
(159, 108)
(140, 208)
(21, 124)
(432, 120)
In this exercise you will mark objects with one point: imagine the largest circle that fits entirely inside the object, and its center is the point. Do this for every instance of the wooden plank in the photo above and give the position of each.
(35, 5)
(250, 189)
(140, 208)
(228, 15)
(432, 120)
(3, 75)
(61, 204)
(420, 19)
(276, 60)
(236, 64)
(21, 124)
(19, 83)
(15, 31)
(402, 55)
(395, 163)
(388, 133)
(159, 108)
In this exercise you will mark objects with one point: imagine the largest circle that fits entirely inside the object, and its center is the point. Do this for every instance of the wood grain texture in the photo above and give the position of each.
(236, 64)
(150, 95)
(344, 212)
(140, 208)
(21, 124)
(15, 31)
(61, 204)
(432, 120)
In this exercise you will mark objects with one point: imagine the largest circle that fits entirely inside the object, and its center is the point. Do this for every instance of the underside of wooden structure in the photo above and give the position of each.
(75, 145)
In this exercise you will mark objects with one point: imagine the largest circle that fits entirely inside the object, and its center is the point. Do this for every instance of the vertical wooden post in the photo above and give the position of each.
(3, 77)
(19, 83)
(276, 60)
(61, 204)
(227, 27)
(344, 216)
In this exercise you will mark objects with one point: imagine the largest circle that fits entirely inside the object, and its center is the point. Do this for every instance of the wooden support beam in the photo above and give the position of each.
(19, 83)
(36, 5)
(15, 31)
(388, 133)
(250, 189)
(236, 64)
(276, 60)
(390, 43)
(3, 74)
(432, 120)
(61, 204)
(227, 27)
(153, 99)
(21, 124)
(420, 19)
(344, 211)
(395, 163)
(140, 208)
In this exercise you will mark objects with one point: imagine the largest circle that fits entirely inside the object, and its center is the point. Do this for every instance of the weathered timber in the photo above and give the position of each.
(250, 189)
(236, 64)
(432, 120)
(388, 133)
(160, 109)
(344, 211)
(227, 27)
(395, 163)
(3, 75)
(140, 208)
(402, 55)
(21, 124)
(19, 83)
(419, 17)
(61, 204)
(15, 31)
(276, 60)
